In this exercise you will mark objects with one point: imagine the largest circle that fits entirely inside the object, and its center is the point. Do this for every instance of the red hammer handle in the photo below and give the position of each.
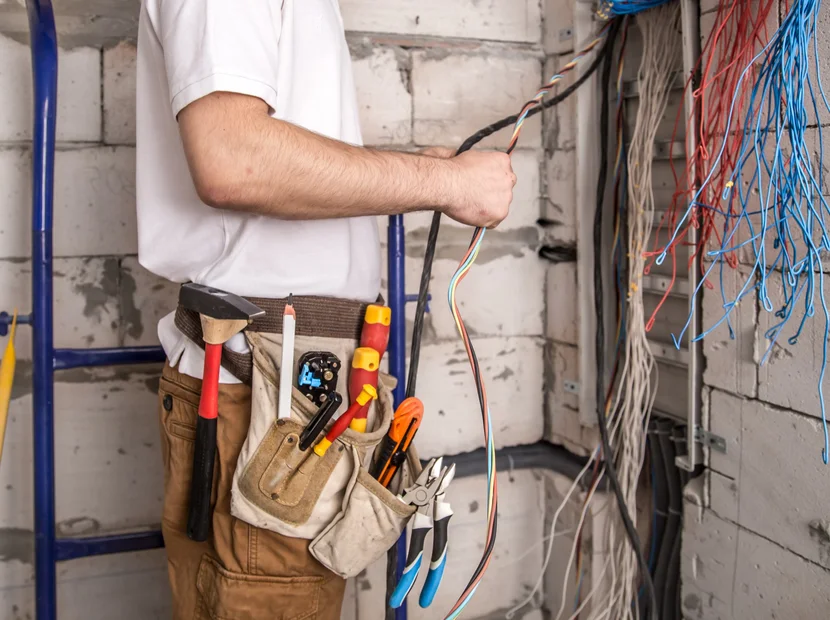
(204, 454)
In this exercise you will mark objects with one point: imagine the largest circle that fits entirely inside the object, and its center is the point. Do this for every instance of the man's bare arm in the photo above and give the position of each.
(242, 159)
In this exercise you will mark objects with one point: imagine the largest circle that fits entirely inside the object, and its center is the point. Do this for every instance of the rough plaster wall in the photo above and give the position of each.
(756, 542)
(423, 71)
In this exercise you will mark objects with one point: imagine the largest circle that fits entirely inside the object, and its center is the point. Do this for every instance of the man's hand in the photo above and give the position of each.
(486, 182)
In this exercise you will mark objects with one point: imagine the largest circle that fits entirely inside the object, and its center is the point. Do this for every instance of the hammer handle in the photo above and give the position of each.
(204, 457)
(204, 454)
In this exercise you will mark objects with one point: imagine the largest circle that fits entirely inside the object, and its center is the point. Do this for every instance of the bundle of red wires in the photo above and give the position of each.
(738, 33)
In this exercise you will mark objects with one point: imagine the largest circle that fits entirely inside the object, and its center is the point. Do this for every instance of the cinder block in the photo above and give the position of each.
(501, 295)
(144, 299)
(449, 107)
(15, 203)
(559, 199)
(770, 582)
(774, 448)
(708, 564)
(730, 363)
(107, 450)
(516, 560)
(130, 586)
(79, 93)
(512, 372)
(558, 26)
(95, 202)
(94, 210)
(85, 301)
(788, 375)
(729, 572)
(119, 94)
(499, 20)
(383, 82)
(562, 313)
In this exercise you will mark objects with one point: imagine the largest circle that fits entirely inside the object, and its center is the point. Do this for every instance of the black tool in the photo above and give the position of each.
(222, 316)
(320, 419)
(317, 375)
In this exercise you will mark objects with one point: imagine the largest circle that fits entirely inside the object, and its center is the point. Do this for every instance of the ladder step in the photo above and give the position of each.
(85, 358)
(74, 548)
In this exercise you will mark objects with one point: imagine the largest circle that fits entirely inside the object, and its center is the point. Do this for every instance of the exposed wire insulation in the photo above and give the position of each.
(776, 187)
(535, 105)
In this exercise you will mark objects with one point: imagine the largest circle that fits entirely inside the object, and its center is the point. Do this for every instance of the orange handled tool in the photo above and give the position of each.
(365, 366)
(391, 452)
(366, 396)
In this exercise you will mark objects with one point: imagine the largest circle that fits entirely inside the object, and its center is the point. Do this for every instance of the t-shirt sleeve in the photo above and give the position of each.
(219, 45)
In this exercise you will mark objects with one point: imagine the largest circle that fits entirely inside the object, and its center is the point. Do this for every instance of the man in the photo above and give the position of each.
(251, 179)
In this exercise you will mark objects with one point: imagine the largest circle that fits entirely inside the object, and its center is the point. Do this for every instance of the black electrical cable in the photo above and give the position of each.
(608, 454)
(429, 257)
(432, 238)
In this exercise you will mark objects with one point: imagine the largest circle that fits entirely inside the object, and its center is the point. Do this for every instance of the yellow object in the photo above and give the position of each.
(366, 359)
(368, 393)
(6, 380)
(320, 448)
(359, 425)
(378, 314)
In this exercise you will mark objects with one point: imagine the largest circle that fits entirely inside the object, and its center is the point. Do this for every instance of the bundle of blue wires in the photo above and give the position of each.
(627, 7)
(778, 189)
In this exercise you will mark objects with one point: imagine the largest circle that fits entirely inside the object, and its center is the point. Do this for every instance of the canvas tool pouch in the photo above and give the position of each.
(332, 500)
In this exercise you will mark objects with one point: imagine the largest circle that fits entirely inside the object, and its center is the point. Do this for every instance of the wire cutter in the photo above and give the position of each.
(428, 495)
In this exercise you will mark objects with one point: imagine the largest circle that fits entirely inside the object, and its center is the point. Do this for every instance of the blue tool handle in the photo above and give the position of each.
(438, 563)
(413, 565)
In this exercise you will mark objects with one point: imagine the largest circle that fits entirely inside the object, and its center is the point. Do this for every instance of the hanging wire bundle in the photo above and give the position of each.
(534, 106)
(739, 31)
(772, 206)
(637, 382)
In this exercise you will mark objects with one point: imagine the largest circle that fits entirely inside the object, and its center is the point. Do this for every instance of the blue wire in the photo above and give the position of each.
(776, 167)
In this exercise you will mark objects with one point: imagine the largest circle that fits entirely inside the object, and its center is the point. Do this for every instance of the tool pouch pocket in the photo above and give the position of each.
(276, 485)
(371, 520)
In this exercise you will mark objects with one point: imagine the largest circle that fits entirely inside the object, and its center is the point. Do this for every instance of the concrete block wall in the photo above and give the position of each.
(756, 540)
(425, 72)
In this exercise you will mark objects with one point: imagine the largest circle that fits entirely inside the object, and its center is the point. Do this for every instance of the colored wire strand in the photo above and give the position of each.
(534, 106)
(773, 204)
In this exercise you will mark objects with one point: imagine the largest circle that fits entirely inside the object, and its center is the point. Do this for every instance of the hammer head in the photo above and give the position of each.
(217, 305)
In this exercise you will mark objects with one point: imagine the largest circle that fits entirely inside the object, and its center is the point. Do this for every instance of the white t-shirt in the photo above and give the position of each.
(293, 55)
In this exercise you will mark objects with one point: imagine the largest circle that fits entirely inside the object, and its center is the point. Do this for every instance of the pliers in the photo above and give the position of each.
(428, 495)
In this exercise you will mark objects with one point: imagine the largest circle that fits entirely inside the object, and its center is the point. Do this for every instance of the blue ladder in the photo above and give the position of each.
(49, 550)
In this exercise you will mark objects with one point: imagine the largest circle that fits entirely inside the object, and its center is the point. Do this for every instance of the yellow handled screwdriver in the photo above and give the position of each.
(6, 380)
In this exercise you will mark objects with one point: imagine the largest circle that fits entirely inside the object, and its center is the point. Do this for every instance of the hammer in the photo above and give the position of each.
(223, 315)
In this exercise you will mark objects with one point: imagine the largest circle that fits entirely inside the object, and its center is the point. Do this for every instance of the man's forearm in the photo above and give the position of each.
(251, 162)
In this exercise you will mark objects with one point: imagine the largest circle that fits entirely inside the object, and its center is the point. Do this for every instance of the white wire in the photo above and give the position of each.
(512, 611)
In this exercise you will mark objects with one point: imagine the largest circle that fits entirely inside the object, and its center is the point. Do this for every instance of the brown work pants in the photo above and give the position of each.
(241, 572)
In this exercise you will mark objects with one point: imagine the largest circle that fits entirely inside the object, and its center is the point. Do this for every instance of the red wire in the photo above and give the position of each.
(739, 32)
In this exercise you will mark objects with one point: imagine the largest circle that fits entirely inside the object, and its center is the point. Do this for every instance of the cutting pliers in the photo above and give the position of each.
(433, 512)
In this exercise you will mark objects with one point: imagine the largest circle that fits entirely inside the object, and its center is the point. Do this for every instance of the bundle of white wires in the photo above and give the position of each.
(613, 594)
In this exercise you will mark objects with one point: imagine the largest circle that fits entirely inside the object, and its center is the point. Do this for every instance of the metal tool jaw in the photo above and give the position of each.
(433, 482)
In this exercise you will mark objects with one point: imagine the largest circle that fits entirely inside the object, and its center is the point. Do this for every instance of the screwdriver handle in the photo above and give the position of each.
(375, 331)
(364, 371)
(368, 394)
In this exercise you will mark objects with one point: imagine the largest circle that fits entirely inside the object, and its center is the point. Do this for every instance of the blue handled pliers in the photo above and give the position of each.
(433, 512)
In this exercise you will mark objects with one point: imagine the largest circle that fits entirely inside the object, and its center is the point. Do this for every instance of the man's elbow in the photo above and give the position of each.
(216, 189)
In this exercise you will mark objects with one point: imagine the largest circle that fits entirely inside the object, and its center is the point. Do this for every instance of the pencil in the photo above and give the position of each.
(289, 324)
